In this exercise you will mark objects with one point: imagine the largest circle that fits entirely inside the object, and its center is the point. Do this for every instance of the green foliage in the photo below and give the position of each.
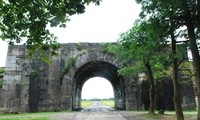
(175, 14)
(29, 20)
(78, 46)
(1, 83)
(186, 69)
(132, 70)
(2, 70)
(71, 62)
(66, 68)
(33, 73)
(140, 44)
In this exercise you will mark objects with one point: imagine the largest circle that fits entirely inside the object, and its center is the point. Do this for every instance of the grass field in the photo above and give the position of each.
(88, 103)
(26, 116)
(109, 103)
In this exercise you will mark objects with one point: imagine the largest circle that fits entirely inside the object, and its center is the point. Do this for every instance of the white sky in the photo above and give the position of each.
(95, 88)
(102, 23)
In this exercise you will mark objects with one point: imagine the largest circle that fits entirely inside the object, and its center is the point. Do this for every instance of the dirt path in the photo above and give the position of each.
(95, 112)
(99, 116)
(101, 112)
(95, 115)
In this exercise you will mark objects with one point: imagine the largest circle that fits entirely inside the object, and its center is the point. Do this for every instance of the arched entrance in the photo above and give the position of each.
(98, 69)
(92, 89)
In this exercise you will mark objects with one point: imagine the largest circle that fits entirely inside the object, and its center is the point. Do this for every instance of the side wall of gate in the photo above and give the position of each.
(14, 93)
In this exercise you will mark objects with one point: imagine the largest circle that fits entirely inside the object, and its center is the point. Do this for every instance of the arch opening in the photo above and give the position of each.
(97, 88)
(98, 69)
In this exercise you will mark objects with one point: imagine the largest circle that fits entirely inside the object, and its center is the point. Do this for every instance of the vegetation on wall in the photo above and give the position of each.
(70, 62)
(1, 71)
(1, 76)
(78, 46)
(1, 83)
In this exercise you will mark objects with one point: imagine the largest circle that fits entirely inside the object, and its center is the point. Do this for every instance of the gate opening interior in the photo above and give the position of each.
(98, 69)
(96, 88)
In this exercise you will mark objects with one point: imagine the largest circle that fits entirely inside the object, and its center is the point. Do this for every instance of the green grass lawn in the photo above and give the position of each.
(86, 103)
(26, 116)
(109, 103)
(29, 116)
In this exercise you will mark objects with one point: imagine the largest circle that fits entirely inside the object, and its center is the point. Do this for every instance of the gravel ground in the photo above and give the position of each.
(113, 115)
(101, 112)
(96, 115)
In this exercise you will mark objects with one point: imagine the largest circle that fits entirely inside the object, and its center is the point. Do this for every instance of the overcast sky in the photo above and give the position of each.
(102, 23)
(97, 87)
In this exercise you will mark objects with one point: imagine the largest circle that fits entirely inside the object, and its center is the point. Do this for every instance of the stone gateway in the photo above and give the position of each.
(30, 85)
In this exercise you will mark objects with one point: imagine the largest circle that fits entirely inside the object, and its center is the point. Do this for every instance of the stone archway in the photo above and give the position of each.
(57, 86)
(98, 69)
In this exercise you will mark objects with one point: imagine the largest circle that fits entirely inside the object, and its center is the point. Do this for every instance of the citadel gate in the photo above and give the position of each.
(32, 85)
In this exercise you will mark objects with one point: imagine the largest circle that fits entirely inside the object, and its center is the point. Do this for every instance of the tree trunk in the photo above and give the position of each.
(194, 48)
(151, 88)
(176, 84)
(196, 60)
(198, 14)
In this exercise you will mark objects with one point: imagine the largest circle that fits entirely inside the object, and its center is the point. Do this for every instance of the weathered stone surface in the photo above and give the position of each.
(32, 85)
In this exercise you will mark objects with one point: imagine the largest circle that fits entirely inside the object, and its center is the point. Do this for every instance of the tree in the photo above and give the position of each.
(191, 20)
(183, 13)
(28, 20)
(140, 48)
(176, 83)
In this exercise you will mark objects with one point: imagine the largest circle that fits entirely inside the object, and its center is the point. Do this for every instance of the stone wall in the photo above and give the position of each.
(32, 85)
(14, 93)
